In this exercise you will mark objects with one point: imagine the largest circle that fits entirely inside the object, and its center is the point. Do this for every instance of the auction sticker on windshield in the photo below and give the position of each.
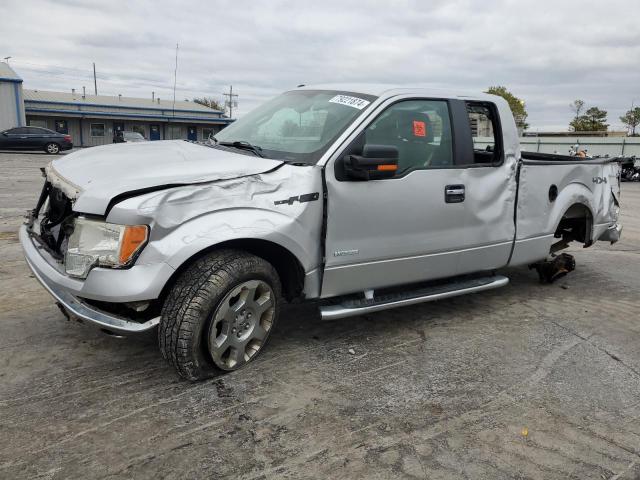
(354, 102)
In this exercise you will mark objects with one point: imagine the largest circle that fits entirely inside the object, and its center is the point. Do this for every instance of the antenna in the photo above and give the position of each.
(95, 82)
(175, 76)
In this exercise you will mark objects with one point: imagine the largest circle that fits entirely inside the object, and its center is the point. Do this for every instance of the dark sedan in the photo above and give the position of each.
(34, 138)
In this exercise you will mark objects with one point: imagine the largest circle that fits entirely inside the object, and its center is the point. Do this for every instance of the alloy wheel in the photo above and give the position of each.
(53, 148)
(241, 324)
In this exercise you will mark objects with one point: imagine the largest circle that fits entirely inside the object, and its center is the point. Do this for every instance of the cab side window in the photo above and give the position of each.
(419, 129)
(483, 121)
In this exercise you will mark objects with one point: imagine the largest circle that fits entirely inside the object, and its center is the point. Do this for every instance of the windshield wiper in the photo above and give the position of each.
(244, 145)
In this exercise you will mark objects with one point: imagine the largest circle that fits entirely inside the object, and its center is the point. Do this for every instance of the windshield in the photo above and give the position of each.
(297, 126)
(133, 136)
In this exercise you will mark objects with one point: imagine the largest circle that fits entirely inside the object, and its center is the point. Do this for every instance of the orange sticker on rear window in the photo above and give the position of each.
(419, 129)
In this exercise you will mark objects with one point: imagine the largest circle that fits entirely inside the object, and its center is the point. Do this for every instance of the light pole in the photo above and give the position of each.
(633, 128)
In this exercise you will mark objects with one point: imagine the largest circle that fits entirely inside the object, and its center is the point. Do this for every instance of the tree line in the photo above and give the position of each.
(592, 119)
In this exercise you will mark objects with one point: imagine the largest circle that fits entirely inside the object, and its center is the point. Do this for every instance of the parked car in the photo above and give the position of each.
(361, 199)
(128, 137)
(35, 138)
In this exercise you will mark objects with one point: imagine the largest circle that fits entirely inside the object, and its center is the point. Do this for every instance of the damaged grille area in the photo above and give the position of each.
(51, 222)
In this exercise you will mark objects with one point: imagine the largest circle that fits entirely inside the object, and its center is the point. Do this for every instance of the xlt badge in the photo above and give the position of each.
(343, 253)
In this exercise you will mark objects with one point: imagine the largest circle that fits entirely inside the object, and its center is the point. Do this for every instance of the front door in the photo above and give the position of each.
(417, 225)
(118, 132)
(192, 133)
(16, 138)
(62, 127)
(154, 132)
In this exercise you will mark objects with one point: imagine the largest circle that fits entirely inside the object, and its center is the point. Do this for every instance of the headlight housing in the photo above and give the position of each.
(96, 243)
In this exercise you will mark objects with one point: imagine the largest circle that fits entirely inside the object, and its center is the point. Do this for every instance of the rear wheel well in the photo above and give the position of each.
(575, 225)
(289, 269)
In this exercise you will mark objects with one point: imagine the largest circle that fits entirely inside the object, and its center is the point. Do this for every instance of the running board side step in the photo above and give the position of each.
(350, 308)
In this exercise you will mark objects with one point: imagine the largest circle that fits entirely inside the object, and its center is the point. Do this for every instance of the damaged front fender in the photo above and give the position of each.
(282, 206)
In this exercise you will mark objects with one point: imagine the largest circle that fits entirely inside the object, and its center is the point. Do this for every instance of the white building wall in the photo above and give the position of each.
(612, 146)
(11, 105)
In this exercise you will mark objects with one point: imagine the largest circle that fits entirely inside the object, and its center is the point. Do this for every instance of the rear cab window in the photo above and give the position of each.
(486, 134)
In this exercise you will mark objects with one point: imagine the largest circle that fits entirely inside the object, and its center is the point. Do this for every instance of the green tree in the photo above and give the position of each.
(210, 102)
(576, 107)
(593, 120)
(631, 120)
(517, 105)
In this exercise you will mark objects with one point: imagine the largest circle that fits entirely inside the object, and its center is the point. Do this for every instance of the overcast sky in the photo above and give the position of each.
(546, 52)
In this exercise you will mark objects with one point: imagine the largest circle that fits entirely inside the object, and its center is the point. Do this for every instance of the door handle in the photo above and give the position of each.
(454, 193)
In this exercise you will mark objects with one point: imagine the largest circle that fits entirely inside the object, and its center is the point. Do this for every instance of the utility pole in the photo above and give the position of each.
(95, 82)
(231, 101)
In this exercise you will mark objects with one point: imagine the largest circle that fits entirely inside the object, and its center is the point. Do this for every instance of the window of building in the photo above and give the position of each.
(419, 129)
(97, 129)
(37, 122)
(174, 132)
(207, 133)
(139, 129)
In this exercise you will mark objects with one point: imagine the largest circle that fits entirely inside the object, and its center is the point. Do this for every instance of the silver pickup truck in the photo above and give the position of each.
(357, 197)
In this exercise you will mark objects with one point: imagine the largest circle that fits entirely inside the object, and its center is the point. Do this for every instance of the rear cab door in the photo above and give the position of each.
(487, 163)
(448, 210)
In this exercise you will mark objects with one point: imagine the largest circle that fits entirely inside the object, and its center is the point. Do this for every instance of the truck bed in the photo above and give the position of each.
(552, 187)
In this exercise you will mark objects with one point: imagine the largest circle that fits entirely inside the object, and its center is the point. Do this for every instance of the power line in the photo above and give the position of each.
(66, 73)
(23, 62)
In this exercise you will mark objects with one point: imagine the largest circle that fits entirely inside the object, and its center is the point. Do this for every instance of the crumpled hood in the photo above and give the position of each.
(95, 176)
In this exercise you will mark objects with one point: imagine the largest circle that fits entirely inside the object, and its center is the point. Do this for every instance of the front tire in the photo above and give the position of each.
(219, 314)
(52, 148)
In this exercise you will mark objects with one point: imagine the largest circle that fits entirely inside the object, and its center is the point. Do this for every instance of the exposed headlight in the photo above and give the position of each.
(95, 243)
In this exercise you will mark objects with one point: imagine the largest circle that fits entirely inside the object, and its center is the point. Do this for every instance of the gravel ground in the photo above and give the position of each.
(528, 381)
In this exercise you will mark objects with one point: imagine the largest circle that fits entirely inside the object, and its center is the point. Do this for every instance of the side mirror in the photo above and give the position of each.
(375, 163)
(5, 134)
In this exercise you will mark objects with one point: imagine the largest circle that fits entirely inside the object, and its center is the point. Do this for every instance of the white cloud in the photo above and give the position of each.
(548, 53)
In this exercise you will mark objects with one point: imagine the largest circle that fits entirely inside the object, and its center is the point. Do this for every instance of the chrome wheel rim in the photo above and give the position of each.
(241, 324)
(52, 148)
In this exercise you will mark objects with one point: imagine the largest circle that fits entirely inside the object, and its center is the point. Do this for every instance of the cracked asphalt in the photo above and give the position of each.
(527, 381)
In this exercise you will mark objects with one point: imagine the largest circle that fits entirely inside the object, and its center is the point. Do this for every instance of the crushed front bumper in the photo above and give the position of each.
(74, 305)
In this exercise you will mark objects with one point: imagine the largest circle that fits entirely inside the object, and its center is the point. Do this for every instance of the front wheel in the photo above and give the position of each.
(219, 314)
(52, 148)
